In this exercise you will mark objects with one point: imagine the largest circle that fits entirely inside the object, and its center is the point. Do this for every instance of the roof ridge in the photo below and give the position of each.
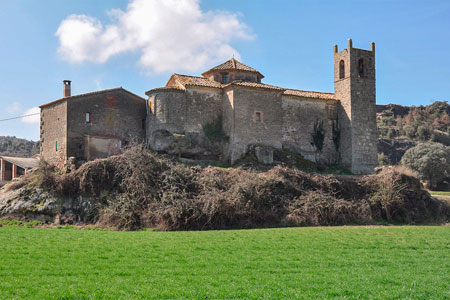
(309, 91)
(90, 94)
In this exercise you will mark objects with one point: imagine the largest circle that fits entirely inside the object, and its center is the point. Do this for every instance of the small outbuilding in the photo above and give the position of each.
(13, 167)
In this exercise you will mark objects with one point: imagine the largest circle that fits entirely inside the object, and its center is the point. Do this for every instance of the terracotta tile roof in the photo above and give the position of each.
(256, 85)
(232, 65)
(310, 94)
(23, 162)
(164, 88)
(185, 80)
(90, 94)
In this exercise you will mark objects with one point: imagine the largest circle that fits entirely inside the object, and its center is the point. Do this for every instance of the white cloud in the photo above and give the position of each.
(14, 108)
(171, 35)
(34, 119)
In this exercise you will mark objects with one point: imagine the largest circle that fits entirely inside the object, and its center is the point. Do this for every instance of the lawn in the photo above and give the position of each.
(392, 262)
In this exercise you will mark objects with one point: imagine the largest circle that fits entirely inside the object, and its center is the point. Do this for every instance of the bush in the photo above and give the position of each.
(213, 131)
(430, 160)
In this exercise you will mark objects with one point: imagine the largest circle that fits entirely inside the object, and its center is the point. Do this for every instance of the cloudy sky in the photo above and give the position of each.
(138, 44)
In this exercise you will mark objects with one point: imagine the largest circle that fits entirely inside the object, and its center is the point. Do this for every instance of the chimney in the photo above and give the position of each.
(66, 84)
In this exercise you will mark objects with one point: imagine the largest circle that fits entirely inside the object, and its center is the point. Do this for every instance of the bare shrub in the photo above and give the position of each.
(396, 196)
(140, 189)
(16, 184)
(319, 208)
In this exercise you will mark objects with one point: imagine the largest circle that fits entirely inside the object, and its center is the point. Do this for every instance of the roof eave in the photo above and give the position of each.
(205, 74)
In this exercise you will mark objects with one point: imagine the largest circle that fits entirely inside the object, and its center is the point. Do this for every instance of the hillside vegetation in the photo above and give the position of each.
(416, 123)
(12, 146)
(140, 189)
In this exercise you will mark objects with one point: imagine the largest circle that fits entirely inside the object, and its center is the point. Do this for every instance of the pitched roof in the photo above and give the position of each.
(310, 94)
(289, 92)
(164, 88)
(256, 85)
(23, 162)
(233, 65)
(177, 80)
(90, 94)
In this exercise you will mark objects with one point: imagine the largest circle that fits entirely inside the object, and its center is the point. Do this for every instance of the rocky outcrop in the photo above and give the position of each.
(392, 110)
(394, 149)
(36, 204)
(189, 145)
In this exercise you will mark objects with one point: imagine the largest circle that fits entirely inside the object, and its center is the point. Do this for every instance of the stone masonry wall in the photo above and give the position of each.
(115, 114)
(299, 116)
(364, 127)
(342, 91)
(203, 105)
(357, 110)
(248, 129)
(168, 111)
(54, 132)
(183, 111)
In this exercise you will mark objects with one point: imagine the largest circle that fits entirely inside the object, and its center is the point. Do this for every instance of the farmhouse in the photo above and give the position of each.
(231, 98)
(89, 126)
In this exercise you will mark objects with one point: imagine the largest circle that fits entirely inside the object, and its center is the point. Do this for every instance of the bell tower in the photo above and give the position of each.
(354, 86)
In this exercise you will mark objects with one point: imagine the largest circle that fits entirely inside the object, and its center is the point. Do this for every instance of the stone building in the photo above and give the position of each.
(337, 127)
(92, 125)
(255, 114)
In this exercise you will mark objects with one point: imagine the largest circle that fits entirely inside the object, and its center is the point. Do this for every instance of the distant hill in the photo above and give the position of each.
(12, 146)
(402, 127)
(415, 123)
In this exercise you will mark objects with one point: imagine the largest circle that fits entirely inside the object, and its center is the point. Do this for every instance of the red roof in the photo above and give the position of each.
(233, 65)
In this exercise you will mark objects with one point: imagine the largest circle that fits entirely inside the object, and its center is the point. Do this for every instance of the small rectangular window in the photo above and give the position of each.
(224, 78)
(88, 117)
(258, 117)
(56, 146)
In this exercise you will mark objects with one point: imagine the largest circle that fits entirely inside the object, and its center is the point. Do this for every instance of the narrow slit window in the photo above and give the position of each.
(341, 69)
(258, 117)
(56, 146)
(88, 118)
(361, 68)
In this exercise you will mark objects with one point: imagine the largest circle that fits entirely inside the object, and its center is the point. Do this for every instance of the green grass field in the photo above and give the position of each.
(442, 195)
(392, 262)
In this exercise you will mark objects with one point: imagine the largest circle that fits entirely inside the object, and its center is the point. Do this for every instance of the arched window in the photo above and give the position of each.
(361, 68)
(341, 69)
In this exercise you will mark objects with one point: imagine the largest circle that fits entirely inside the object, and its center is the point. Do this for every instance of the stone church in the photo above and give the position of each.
(337, 127)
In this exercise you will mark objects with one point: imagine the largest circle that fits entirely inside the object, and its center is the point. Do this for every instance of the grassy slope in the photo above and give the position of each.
(303, 263)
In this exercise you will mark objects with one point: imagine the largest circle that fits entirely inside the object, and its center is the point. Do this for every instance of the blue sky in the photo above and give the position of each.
(138, 44)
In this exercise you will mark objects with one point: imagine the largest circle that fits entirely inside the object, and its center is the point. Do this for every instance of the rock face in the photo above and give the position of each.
(264, 154)
(392, 110)
(394, 149)
(36, 204)
(189, 145)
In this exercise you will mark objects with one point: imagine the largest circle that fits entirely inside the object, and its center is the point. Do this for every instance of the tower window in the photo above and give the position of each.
(361, 68)
(88, 118)
(341, 69)
(56, 146)
(224, 78)
(258, 117)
